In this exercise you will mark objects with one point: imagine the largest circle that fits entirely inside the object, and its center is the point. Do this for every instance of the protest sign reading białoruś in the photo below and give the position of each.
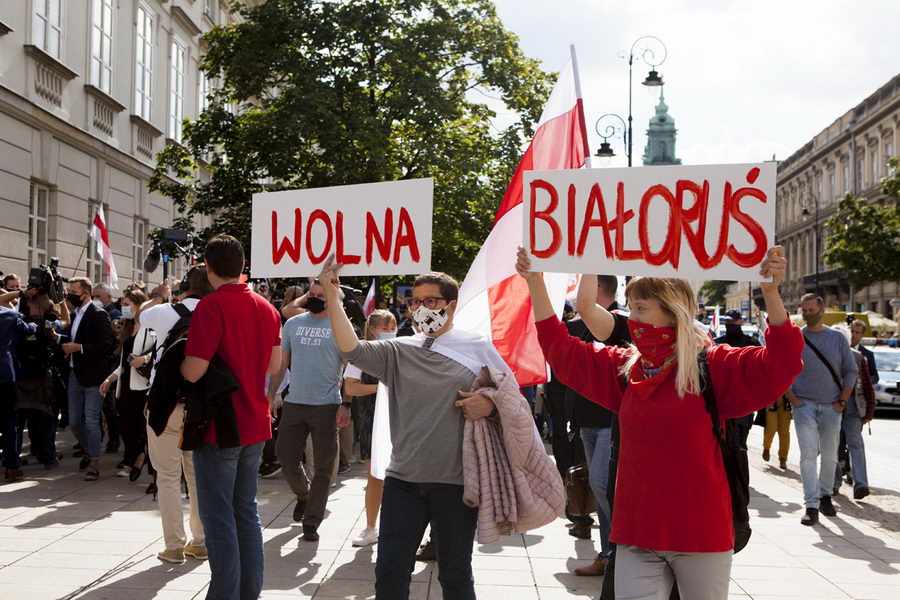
(695, 222)
(372, 228)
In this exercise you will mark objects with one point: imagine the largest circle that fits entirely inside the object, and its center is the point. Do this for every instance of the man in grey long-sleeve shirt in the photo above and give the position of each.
(428, 405)
(818, 401)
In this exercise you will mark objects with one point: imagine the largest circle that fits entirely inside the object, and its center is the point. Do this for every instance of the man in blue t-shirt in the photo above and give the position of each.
(312, 407)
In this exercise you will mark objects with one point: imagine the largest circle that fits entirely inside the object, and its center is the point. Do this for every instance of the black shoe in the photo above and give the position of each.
(310, 534)
(85, 462)
(152, 489)
(343, 468)
(811, 517)
(135, 472)
(826, 507)
(580, 531)
(269, 471)
(860, 492)
(299, 509)
(426, 552)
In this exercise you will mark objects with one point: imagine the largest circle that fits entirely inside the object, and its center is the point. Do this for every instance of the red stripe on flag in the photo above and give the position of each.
(101, 226)
(513, 331)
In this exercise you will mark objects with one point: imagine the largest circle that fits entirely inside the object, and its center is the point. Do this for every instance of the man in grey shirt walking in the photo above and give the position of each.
(818, 397)
(427, 377)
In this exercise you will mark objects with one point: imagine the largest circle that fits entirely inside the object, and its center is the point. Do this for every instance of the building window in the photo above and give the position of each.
(831, 186)
(37, 225)
(176, 99)
(101, 44)
(875, 168)
(860, 175)
(209, 9)
(46, 32)
(204, 89)
(143, 72)
(888, 152)
(846, 177)
(96, 268)
(138, 247)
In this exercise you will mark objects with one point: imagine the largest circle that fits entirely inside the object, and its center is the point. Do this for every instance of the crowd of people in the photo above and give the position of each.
(210, 385)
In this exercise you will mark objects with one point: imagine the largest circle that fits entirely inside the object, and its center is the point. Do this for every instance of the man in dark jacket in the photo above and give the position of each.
(87, 342)
(736, 338)
(11, 328)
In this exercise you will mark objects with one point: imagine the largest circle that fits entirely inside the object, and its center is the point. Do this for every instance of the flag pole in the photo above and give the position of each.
(587, 150)
(78, 262)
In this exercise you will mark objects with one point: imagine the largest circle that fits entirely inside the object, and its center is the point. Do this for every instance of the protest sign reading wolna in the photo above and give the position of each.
(372, 228)
(695, 222)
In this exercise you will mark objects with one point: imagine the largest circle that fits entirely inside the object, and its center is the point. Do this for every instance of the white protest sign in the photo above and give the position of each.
(372, 228)
(693, 222)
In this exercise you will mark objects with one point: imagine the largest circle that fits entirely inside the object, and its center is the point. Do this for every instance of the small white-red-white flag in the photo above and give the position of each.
(716, 320)
(101, 236)
(493, 300)
(369, 304)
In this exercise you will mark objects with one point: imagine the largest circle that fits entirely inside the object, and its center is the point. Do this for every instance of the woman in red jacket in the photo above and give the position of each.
(672, 517)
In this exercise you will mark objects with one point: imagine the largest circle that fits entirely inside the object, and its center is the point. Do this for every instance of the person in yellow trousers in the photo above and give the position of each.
(778, 419)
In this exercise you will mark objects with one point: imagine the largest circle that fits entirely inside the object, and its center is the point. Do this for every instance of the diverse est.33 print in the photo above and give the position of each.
(372, 228)
(704, 222)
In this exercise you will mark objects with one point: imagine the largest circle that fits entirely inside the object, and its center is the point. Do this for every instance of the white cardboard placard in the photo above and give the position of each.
(373, 228)
(655, 221)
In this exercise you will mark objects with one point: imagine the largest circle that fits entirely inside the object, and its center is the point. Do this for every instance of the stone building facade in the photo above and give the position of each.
(848, 156)
(90, 91)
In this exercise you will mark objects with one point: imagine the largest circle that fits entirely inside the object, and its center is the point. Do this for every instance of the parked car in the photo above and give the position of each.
(751, 330)
(887, 360)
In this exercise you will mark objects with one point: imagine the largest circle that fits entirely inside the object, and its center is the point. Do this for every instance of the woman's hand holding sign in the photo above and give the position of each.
(774, 266)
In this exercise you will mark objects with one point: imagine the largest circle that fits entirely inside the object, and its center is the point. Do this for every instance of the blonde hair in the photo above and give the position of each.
(677, 300)
(377, 319)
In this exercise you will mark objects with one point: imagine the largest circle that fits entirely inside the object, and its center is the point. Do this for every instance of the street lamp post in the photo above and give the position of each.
(610, 130)
(805, 202)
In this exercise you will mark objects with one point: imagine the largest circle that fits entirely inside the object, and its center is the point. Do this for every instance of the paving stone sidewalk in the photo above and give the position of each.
(61, 537)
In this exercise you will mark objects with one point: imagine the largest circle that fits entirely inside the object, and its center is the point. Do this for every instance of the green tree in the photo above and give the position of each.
(342, 92)
(865, 237)
(713, 292)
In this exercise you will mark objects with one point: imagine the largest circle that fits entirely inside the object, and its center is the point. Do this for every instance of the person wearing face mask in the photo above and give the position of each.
(381, 325)
(736, 338)
(666, 443)
(818, 397)
(136, 344)
(426, 376)
(88, 342)
(101, 297)
(313, 407)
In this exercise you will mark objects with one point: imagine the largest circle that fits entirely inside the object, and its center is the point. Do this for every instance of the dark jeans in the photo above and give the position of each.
(297, 422)
(564, 435)
(41, 433)
(406, 509)
(111, 416)
(268, 453)
(226, 496)
(132, 424)
(8, 426)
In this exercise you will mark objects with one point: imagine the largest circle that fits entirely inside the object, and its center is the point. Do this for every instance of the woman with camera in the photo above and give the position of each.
(132, 378)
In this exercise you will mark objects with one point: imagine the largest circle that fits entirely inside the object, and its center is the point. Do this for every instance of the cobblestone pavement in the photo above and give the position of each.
(61, 537)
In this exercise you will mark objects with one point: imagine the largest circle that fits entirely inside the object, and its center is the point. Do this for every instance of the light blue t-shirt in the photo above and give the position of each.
(316, 363)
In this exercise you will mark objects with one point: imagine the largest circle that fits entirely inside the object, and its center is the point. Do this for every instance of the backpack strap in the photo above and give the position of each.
(709, 397)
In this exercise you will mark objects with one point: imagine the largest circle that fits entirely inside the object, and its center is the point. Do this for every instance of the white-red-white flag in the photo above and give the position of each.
(101, 237)
(369, 304)
(494, 300)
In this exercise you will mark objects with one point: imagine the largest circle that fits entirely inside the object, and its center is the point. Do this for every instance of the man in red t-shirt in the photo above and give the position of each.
(243, 329)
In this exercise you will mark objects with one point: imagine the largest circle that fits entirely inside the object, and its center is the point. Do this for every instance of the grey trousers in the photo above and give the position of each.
(297, 422)
(648, 575)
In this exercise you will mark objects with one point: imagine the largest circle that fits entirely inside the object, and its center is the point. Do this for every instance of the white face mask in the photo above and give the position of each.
(97, 303)
(387, 335)
(428, 320)
(127, 312)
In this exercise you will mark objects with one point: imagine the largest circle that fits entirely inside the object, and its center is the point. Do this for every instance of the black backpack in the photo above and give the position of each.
(734, 458)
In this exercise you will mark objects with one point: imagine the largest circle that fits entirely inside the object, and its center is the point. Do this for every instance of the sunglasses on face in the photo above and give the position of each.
(432, 302)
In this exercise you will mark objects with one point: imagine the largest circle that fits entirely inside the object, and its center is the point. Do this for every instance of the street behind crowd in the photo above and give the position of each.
(61, 537)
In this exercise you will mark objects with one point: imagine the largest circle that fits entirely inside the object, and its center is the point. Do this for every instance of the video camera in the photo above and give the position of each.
(46, 279)
(169, 242)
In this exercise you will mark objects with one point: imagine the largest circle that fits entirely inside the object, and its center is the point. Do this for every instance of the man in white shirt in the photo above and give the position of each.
(167, 457)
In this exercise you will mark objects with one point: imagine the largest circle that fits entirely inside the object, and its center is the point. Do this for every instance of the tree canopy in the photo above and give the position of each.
(324, 93)
(865, 236)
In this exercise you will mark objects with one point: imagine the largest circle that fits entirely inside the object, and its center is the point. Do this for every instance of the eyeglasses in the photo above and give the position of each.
(415, 303)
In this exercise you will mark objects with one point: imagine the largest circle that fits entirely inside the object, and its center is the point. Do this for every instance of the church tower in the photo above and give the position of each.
(660, 149)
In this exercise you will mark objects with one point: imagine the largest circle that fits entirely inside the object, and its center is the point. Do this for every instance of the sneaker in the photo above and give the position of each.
(766, 454)
(367, 537)
(299, 509)
(811, 517)
(426, 552)
(93, 474)
(195, 550)
(826, 507)
(85, 463)
(581, 531)
(310, 534)
(172, 555)
(269, 471)
(860, 492)
(343, 468)
(124, 472)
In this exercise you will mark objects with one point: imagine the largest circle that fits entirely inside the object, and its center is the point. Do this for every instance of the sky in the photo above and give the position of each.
(744, 79)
